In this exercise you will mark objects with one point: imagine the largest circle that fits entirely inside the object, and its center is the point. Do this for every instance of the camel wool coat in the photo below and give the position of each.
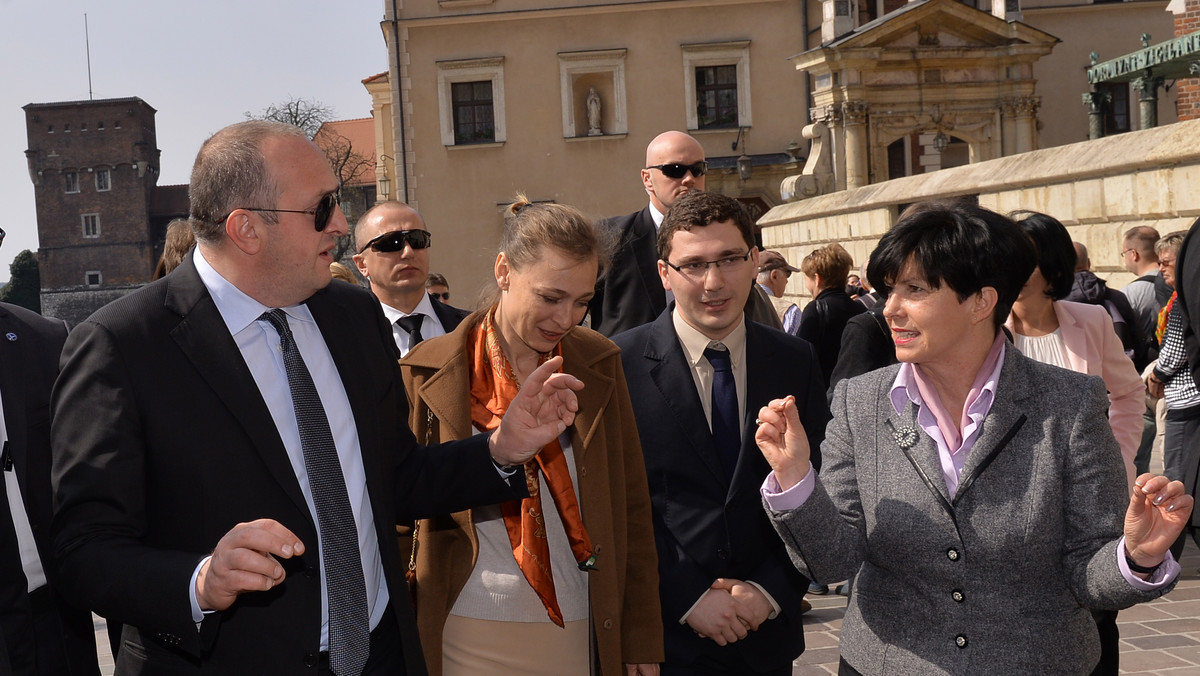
(613, 496)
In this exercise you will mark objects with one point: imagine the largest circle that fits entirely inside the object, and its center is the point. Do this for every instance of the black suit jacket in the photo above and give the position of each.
(866, 345)
(822, 322)
(631, 294)
(448, 315)
(29, 349)
(705, 525)
(163, 443)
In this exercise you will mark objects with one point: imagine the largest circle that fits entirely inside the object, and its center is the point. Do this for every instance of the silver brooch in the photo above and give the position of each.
(906, 437)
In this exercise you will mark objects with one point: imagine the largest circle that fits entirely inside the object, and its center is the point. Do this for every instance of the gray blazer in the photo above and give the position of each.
(997, 579)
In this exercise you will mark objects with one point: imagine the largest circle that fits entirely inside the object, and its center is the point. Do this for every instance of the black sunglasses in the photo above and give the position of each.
(396, 239)
(677, 171)
(441, 296)
(321, 214)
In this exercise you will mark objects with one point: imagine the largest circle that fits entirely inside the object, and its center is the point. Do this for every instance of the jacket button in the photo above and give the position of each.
(721, 554)
(598, 548)
(583, 471)
(960, 641)
(957, 596)
(311, 572)
(608, 624)
(952, 554)
(310, 660)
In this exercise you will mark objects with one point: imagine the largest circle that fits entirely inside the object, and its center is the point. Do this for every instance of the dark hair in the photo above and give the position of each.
(179, 241)
(964, 245)
(699, 208)
(1056, 255)
(436, 279)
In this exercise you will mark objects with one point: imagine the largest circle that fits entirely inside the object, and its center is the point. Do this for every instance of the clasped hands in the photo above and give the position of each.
(729, 611)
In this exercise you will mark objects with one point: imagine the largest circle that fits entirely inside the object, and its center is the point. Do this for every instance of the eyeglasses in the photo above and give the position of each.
(321, 214)
(677, 171)
(698, 269)
(1122, 254)
(444, 296)
(396, 239)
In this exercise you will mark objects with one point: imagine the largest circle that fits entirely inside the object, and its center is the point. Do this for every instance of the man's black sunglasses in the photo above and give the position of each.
(396, 239)
(321, 214)
(677, 171)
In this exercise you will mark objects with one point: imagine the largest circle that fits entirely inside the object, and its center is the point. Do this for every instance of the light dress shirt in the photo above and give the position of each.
(934, 420)
(259, 345)
(694, 344)
(431, 327)
(31, 563)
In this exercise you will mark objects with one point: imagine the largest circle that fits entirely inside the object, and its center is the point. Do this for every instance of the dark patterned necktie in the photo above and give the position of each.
(412, 325)
(726, 431)
(349, 623)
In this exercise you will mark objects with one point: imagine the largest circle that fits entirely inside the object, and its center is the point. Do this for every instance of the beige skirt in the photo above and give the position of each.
(472, 647)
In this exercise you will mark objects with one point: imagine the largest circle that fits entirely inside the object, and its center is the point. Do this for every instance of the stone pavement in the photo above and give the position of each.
(1160, 638)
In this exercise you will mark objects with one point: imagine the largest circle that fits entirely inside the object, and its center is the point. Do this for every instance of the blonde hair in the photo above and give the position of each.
(531, 226)
(831, 262)
(179, 241)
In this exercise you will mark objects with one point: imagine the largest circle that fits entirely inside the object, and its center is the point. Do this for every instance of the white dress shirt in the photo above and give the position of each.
(31, 563)
(259, 344)
(431, 326)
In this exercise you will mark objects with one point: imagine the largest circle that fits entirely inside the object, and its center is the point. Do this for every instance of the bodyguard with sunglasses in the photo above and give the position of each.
(230, 443)
(393, 244)
(632, 294)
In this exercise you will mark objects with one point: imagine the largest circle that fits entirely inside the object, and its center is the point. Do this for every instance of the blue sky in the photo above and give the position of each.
(201, 65)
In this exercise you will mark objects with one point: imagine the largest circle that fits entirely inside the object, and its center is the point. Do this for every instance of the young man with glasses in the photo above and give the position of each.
(631, 294)
(392, 244)
(697, 374)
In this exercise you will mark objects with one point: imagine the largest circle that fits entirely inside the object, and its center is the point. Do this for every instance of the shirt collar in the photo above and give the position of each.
(236, 308)
(905, 387)
(695, 343)
(657, 216)
(424, 306)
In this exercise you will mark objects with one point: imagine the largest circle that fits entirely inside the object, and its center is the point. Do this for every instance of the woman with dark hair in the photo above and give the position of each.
(1075, 336)
(976, 496)
(564, 582)
(824, 318)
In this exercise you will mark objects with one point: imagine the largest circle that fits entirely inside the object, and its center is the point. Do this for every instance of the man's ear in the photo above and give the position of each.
(242, 229)
(662, 274)
(984, 304)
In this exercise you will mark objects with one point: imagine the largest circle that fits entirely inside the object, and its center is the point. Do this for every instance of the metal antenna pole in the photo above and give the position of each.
(88, 46)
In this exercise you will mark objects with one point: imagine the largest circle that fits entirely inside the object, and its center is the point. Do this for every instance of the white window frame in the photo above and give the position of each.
(736, 53)
(107, 174)
(87, 278)
(471, 70)
(83, 220)
(71, 186)
(573, 64)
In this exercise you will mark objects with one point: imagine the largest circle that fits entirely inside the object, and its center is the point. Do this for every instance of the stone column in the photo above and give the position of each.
(1095, 102)
(831, 117)
(1147, 88)
(1026, 108)
(1008, 126)
(857, 151)
(837, 19)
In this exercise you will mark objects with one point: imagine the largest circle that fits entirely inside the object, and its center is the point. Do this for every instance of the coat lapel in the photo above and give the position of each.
(593, 399)
(645, 249)
(1003, 420)
(13, 356)
(903, 433)
(1073, 333)
(204, 339)
(671, 374)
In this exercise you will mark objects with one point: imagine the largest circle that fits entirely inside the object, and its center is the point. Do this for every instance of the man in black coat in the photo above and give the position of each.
(41, 634)
(631, 294)
(697, 376)
(392, 245)
(226, 435)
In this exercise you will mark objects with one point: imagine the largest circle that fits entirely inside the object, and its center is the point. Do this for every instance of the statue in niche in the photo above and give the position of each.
(593, 113)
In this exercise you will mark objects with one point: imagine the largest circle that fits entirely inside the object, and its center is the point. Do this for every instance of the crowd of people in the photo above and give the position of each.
(635, 456)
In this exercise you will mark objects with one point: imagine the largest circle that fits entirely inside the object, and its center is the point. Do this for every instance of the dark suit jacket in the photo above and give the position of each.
(866, 345)
(631, 294)
(163, 443)
(822, 322)
(448, 315)
(705, 525)
(29, 349)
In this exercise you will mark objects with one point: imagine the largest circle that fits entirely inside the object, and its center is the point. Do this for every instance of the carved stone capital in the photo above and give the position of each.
(855, 112)
(830, 115)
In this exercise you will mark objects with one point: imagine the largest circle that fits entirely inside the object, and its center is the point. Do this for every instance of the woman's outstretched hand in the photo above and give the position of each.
(781, 439)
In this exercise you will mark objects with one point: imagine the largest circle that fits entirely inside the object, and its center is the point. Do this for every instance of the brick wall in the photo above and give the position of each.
(1187, 104)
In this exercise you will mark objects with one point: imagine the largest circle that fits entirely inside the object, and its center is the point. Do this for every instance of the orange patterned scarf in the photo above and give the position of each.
(493, 387)
(1163, 316)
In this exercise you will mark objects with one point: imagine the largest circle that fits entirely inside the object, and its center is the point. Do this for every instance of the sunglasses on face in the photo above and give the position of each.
(321, 214)
(441, 296)
(395, 240)
(677, 171)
